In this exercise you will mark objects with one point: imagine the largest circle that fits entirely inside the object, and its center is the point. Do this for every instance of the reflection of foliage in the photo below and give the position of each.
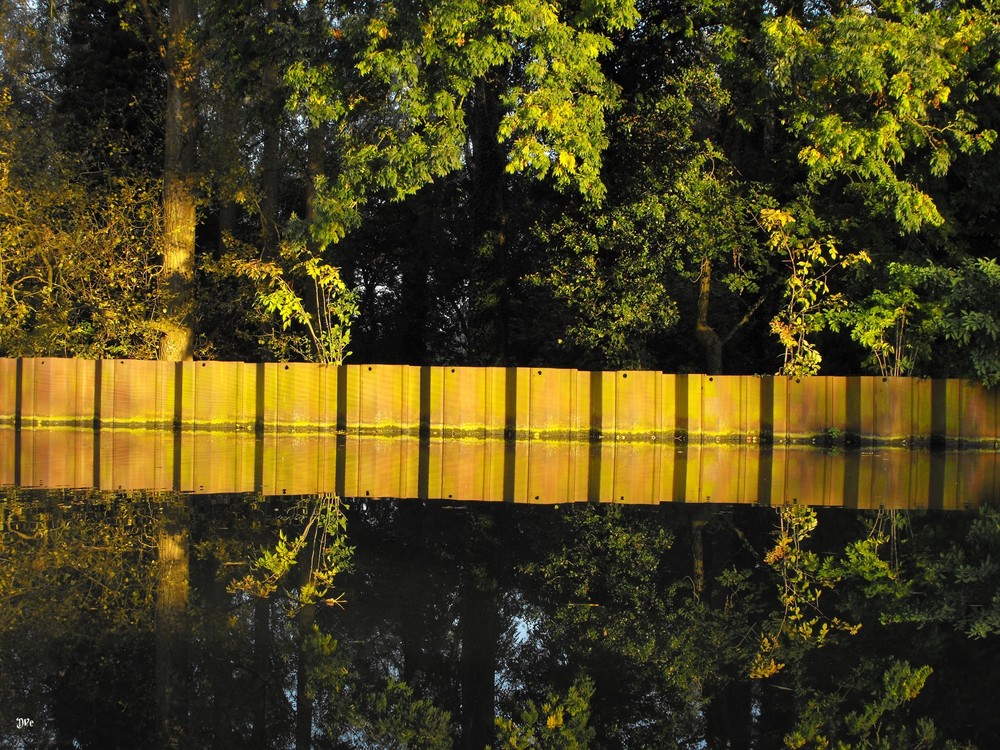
(805, 575)
(560, 724)
(357, 715)
(61, 560)
(611, 648)
(959, 585)
(610, 608)
(323, 542)
(861, 692)
(78, 588)
(872, 725)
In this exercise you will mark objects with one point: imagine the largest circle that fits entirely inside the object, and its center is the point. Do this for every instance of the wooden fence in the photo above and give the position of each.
(495, 401)
(494, 470)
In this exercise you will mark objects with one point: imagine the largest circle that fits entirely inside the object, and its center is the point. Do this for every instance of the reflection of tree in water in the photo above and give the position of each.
(77, 586)
(319, 550)
(133, 620)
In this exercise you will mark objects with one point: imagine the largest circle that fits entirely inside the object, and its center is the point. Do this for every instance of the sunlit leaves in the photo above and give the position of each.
(920, 310)
(808, 303)
(873, 97)
(404, 122)
(325, 314)
(880, 722)
(320, 547)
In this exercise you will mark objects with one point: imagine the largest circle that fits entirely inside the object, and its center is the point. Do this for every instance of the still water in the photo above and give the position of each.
(287, 617)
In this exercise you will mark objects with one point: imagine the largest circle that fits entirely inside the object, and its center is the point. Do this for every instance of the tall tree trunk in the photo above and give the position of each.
(491, 282)
(179, 183)
(314, 169)
(710, 342)
(230, 155)
(270, 156)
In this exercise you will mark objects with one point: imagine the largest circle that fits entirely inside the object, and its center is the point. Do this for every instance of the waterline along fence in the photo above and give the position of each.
(489, 402)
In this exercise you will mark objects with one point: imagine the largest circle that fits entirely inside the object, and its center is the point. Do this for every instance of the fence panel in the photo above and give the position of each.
(478, 402)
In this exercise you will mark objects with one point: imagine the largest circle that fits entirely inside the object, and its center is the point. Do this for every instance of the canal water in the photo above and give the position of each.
(164, 591)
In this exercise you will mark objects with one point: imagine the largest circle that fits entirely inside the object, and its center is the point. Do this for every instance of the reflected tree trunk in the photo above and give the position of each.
(262, 647)
(303, 703)
(729, 711)
(173, 576)
(412, 598)
(699, 519)
(304, 620)
(729, 718)
(480, 625)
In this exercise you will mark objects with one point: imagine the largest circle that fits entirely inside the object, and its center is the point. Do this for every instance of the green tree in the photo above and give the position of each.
(880, 102)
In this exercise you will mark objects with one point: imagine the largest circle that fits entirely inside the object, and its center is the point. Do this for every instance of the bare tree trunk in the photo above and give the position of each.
(179, 183)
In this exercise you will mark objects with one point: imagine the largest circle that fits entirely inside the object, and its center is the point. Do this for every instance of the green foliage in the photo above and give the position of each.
(890, 324)
(862, 691)
(958, 585)
(356, 715)
(804, 577)
(920, 310)
(971, 320)
(64, 564)
(607, 606)
(875, 725)
(418, 69)
(882, 100)
(674, 201)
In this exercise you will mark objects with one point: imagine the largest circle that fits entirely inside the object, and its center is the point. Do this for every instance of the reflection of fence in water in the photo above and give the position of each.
(492, 401)
(521, 471)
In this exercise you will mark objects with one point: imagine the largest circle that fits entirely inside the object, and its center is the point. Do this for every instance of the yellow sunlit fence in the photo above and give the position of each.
(521, 402)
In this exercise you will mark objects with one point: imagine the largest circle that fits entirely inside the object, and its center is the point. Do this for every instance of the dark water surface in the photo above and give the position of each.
(157, 618)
